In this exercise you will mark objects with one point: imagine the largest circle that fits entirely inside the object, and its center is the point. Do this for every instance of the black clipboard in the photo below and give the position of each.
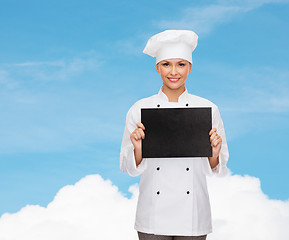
(176, 132)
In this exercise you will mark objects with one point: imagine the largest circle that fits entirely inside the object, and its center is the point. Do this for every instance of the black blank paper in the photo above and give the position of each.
(176, 132)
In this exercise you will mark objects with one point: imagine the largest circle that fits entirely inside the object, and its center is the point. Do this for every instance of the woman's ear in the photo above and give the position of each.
(157, 67)
(190, 67)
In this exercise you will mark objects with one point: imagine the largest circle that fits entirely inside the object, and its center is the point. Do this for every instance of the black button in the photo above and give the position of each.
(188, 192)
(158, 105)
(158, 192)
(187, 104)
(158, 168)
(187, 169)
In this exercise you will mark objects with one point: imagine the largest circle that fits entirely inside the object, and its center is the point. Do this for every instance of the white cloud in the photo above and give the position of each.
(133, 46)
(95, 209)
(242, 211)
(250, 4)
(201, 19)
(250, 98)
(204, 19)
(41, 113)
(56, 133)
(33, 64)
(90, 209)
(42, 121)
(253, 90)
(6, 81)
(61, 69)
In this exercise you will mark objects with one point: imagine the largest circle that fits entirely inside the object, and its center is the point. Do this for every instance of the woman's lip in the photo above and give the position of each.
(174, 79)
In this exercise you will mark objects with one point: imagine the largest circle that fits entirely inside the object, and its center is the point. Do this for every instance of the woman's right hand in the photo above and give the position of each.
(137, 135)
(136, 138)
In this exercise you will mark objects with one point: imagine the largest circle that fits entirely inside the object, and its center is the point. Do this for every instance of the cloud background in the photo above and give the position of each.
(94, 208)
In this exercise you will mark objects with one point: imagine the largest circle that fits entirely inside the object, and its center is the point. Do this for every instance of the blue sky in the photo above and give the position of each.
(70, 70)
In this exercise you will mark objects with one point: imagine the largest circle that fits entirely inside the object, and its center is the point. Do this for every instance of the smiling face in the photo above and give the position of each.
(174, 73)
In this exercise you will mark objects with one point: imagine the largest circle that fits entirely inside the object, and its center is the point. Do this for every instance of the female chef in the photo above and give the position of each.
(173, 199)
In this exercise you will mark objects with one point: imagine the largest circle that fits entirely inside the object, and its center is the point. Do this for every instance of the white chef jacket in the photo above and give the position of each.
(173, 197)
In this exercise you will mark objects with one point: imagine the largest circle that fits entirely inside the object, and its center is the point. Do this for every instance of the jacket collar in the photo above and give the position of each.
(183, 98)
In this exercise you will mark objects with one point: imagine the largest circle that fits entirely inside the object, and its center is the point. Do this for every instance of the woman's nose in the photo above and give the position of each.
(174, 70)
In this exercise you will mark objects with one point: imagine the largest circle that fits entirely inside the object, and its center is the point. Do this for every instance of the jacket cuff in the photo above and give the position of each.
(220, 170)
(128, 163)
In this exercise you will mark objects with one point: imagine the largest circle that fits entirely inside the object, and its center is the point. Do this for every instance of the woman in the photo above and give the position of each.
(173, 198)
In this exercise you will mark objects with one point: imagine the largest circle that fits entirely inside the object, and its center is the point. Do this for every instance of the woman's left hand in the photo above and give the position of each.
(216, 142)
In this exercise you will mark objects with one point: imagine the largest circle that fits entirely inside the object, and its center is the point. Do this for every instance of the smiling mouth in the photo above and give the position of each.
(174, 79)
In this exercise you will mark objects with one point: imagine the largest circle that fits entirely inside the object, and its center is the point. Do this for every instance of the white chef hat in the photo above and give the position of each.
(172, 44)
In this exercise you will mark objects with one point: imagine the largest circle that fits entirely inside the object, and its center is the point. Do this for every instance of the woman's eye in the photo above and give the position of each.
(165, 64)
(181, 64)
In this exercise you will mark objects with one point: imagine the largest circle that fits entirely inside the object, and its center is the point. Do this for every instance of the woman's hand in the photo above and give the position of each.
(216, 143)
(136, 138)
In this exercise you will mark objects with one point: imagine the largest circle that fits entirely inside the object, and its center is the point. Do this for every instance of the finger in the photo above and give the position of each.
(212, 131)
(141, 133)
(213, 136)
(132, 136)
(138, 135)
(135, 134)
(135, 137)
(216, 142)
(140, 125)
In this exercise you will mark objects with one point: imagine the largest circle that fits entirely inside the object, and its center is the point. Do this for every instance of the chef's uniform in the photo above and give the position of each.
(173, 196)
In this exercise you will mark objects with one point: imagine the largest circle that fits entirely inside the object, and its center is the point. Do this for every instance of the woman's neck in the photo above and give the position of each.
(173, 94)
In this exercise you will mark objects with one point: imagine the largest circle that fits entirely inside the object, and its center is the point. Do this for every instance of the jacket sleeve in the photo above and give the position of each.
(127, 158)
(221, 169)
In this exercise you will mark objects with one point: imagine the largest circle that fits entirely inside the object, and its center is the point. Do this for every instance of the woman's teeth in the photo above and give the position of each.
(173, 79)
